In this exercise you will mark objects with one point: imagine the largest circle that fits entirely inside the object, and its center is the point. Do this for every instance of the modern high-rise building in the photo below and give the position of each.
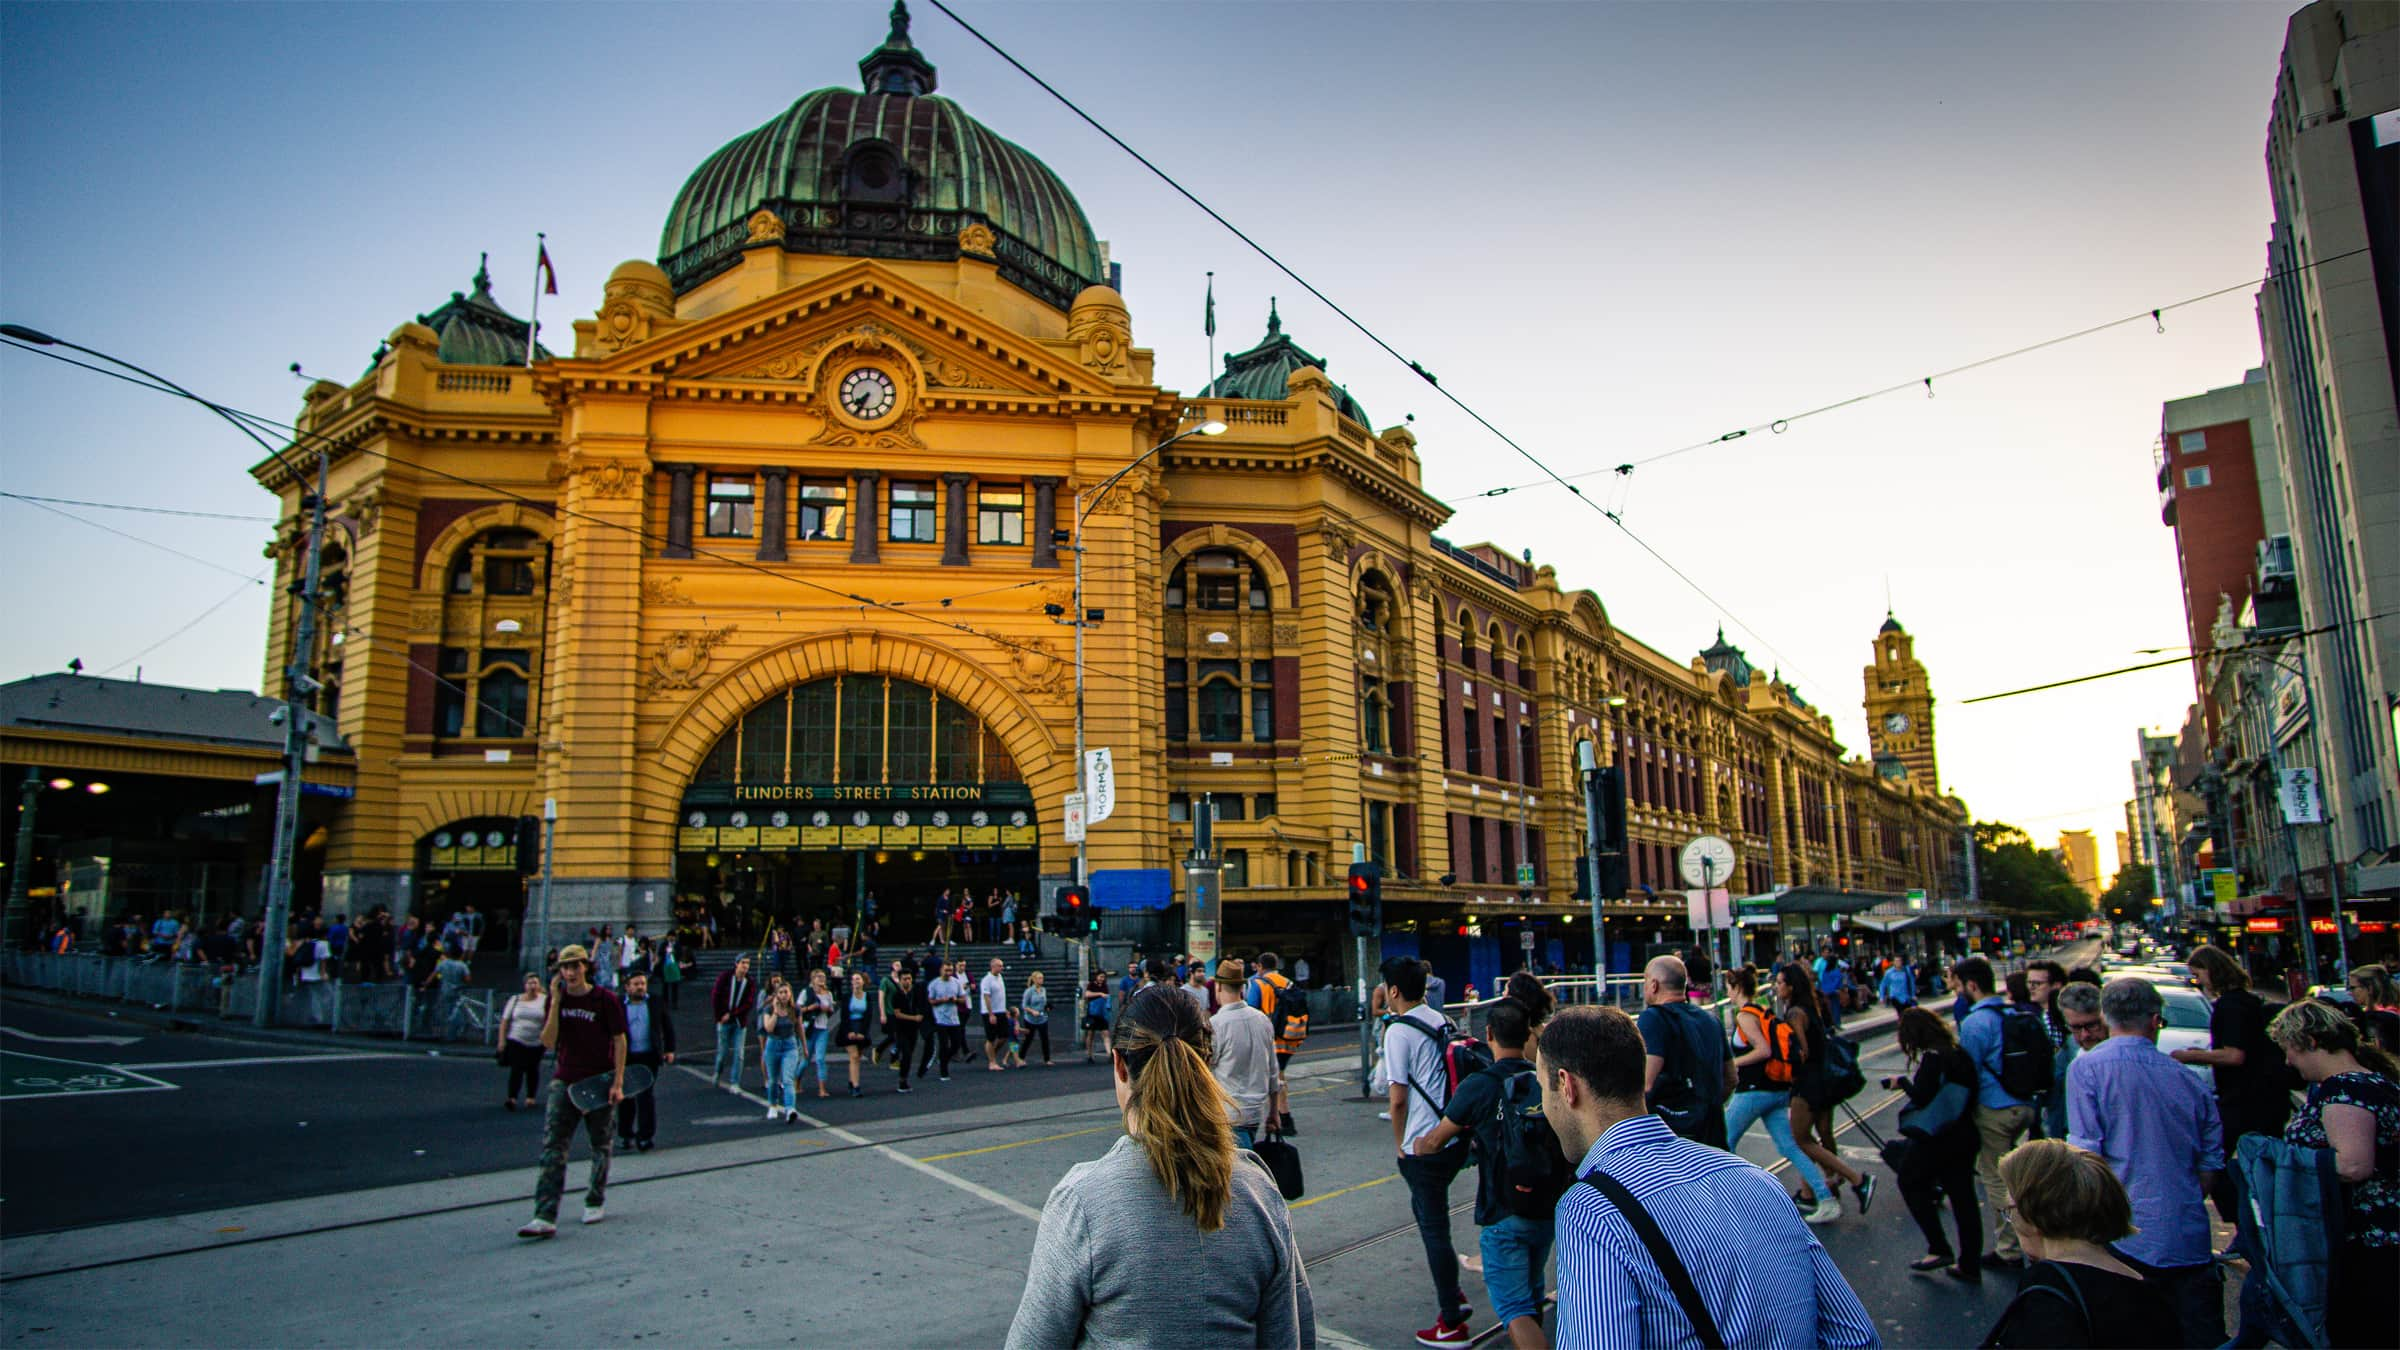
(2080, 851)
(2329, 319)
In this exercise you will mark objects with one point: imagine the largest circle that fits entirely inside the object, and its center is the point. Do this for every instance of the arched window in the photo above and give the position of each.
(508, 562)
(859, 730)
(501, 703)
(494, 590)
(1377, 610)
(1220, 710)
(1218, 579)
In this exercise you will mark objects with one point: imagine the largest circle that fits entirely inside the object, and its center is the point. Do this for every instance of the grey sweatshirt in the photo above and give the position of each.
(1118, 1263)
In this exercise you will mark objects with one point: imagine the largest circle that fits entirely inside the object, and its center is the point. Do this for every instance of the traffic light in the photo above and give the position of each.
(1366, 899)
(1606, 802)
(1075, 910)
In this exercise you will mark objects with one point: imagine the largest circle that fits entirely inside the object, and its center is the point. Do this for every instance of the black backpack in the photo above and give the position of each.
(304, 955)
(2025, 1053)
(1533, 1168)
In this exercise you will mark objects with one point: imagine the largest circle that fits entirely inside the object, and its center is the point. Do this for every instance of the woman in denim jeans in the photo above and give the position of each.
(816, 1015)
(779, 1052)
(1758, 1098)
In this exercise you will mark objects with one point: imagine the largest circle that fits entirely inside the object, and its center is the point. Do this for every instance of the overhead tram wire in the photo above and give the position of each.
(190, 624)
(146, 510)
(152, 543)
(2233, 649)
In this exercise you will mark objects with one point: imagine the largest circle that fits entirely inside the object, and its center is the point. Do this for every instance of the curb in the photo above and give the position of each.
(168, 1021)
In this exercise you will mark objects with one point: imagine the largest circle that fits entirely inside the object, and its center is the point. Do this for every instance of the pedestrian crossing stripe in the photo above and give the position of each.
(24, 1075)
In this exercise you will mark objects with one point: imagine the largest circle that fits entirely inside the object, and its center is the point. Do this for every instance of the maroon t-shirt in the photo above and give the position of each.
(588, 1025)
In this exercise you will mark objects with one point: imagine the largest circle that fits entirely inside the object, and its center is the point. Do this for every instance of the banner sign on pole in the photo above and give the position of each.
(2301, 803)
(1100, 778)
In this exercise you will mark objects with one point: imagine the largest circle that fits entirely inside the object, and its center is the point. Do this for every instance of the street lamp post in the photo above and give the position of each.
(28, 796)
(299, 686)
(1081, 619)
(2333, 881)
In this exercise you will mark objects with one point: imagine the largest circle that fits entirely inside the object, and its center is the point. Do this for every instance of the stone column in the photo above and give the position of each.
(954, 520)
(1045, 522)
(771, 528)
(866, 522)
(679, 511)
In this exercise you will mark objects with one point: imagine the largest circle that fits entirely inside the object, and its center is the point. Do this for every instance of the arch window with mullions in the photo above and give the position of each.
(859, 729)
(496, 683)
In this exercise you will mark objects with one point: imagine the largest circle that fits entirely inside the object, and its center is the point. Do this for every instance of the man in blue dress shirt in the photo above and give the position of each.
(1776, 1286)
(2156, 1123)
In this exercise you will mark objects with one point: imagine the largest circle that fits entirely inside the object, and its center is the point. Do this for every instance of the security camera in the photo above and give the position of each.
(276, 717)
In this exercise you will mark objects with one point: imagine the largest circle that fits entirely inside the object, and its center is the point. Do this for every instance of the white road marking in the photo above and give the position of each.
(947, 1178)
(249, 1060)
(22, 1034)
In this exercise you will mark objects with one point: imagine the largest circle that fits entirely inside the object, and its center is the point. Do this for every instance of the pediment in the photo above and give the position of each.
(787, 339)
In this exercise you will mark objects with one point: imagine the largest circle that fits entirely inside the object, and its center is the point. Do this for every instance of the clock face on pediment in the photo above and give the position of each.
(867, 395)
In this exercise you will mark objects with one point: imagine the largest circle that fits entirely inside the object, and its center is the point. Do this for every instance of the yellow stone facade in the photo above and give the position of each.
(527, 603)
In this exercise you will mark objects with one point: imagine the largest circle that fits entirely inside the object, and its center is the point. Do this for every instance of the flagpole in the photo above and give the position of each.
(1210, 323)
(533, 322)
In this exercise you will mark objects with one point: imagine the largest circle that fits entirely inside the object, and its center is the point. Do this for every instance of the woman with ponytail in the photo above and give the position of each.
(1173, 1233)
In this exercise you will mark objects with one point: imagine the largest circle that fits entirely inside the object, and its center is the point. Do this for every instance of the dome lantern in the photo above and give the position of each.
(897, 67)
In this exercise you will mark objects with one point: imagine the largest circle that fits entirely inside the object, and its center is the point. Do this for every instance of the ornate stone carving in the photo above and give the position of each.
(610, 477)
(1039, 666)
(766, 227)
(664, 591)
(977, 238)
(426, 616)
(1118, 500)
(1101, 329)
(364, 506)
(1286, 634)
(1339, 539)
(681, 659)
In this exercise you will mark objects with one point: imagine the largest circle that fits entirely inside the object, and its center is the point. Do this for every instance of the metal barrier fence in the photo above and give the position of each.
(231, 993)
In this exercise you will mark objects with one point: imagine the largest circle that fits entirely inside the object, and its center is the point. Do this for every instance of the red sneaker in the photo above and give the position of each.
(1443, 1333)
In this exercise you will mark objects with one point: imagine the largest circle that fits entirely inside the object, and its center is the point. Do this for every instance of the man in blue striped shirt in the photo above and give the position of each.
(1776, 1286)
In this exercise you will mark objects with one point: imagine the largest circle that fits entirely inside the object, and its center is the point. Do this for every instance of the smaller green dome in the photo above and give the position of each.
(1265, 372)
(476, 331)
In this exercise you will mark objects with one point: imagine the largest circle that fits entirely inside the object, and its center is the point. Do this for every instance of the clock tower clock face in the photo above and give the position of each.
(868, 394)
(1897, 724)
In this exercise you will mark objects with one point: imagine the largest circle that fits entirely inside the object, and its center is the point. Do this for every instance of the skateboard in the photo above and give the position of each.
(590, 1094)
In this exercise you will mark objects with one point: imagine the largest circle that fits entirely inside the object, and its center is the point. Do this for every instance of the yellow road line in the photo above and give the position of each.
(1303, 1204)
(995, 1148)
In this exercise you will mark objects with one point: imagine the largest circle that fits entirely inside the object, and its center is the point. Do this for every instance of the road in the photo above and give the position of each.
(903, 1221)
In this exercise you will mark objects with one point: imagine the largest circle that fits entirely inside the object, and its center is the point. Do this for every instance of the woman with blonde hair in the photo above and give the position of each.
(2076, 1291)
(1124, 1239)
(2353, 1109)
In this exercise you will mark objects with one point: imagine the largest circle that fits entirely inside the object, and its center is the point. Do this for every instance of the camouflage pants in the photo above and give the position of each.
(558, 1135)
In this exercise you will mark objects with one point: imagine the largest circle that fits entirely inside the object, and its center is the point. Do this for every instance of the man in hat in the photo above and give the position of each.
(585, 1028)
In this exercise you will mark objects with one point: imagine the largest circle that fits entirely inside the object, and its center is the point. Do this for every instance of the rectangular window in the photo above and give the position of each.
(1236, 874)
(450, 692)
(1508, 855)
(1263, 805)
(1179, 704)
(813, 732)
(2191, 442)
(1000, 513)
(2196, 476)
(912, 513)
(824, 510)
(1179, 808)
(763, 729)
(506, 574)
(954, 743)
(909, 756)
(1220, 711)
(1231, 806)
(1262, 701)
(862, 729)
(729, 507)
(501, 698)
(1379, 833)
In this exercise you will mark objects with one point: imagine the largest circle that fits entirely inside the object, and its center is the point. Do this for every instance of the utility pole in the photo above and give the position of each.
(1588, 765)
(29, 796)
(299, 700)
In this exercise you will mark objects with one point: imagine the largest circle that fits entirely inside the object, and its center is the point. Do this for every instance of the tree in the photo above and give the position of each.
(2014, 875)
(2127, 899)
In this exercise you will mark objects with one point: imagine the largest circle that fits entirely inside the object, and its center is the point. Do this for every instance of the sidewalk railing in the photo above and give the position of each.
(231, 993)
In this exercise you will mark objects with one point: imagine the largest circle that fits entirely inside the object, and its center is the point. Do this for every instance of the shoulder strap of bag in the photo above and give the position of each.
(2073, 1294)
(1670, 1265)
(1440, 1038)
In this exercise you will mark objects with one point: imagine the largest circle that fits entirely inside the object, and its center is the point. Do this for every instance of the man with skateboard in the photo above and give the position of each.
(585, 1028)
(650, 1043)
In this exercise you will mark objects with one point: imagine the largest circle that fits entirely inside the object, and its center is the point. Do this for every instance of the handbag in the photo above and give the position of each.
(1944, 1111)
(1283, 1163)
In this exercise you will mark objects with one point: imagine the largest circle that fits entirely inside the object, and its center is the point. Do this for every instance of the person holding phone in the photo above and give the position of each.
(585, 1025)
(855, 1032)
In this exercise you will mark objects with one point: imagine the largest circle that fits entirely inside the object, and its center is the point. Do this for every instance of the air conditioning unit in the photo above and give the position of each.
(2275, 560)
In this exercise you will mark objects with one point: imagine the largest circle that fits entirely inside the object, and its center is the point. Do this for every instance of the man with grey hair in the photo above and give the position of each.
(2157, 1126)
(1686, 1075)
(2079, 1004)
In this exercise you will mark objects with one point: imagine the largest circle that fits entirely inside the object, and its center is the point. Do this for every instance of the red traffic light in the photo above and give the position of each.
(1359, 883)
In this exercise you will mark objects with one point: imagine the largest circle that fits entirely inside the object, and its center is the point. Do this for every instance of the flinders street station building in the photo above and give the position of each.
(768, 585)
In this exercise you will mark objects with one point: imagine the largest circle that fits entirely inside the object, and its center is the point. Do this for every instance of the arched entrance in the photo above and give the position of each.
(849, 797)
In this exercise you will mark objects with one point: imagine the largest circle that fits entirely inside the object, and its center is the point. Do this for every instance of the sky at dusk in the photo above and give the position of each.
(1612, 229)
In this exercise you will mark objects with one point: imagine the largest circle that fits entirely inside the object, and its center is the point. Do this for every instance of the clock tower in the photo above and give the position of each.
(1900, 709)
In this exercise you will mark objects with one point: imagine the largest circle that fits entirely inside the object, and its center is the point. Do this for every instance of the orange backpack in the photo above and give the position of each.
(1778, 1065)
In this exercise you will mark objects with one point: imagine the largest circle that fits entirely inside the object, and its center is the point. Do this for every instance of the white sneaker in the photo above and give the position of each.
(594, 1215)
(774, 1113)
(538, 1228)
(1383, 1115)
(1828, 1209)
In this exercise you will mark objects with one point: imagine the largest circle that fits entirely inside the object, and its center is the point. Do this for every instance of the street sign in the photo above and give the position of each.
(1074, 818)
(1524, 876)
(1707, 860)
(1525, 940)
(1916, 899)
(1100, 775)
(2222, 882)
(2301, 803)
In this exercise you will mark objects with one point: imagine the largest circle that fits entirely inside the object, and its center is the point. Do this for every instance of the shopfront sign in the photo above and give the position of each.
(2263, 925)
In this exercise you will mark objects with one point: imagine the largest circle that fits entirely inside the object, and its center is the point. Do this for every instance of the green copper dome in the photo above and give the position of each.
(892, 172)
(1265, 372)
(474, 329)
